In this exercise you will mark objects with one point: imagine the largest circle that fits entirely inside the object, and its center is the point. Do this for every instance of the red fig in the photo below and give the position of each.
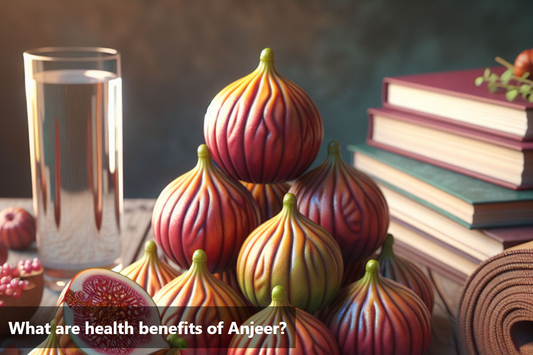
(204, 209)
(405, 272)
(378, 316)
(294, 333)
(294, 252)
(347, 203)
(263, 128)
(269, 197)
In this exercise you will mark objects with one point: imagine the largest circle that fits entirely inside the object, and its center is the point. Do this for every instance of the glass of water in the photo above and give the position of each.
(74, 101)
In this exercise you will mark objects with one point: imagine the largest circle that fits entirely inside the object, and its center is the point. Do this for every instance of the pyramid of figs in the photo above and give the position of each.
(278, 235)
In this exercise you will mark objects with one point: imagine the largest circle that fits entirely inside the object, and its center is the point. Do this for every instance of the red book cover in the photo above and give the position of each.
(450, 128)
(459, 83)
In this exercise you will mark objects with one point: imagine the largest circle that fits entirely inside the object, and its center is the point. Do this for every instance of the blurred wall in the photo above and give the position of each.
(177, 55)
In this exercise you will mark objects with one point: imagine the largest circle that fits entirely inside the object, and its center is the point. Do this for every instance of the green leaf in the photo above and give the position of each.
(492, 88)
(493, 77)
(530, 98)
(479, 81)
(486, 74)
(511, 94)
(524, 88)
(506, 76)
(525, 75)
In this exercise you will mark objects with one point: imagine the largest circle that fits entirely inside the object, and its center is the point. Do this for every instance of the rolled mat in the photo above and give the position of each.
(496, 311)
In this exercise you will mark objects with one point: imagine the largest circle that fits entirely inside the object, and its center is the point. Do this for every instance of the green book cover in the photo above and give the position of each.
(472, 191)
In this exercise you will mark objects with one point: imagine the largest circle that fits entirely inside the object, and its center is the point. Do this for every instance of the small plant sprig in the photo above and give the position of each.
(514, 85)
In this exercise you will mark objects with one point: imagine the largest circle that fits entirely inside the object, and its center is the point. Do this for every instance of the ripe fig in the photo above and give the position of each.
(294, 252)
(50, 346)
(100, 297)
(199, 298)
(17, 228)
(269, 197)
(303, 334)
(204, 208)
(524, 63)
(405, 272)
(150, 272)
(347, 203)
(378, 316)
(263, 128)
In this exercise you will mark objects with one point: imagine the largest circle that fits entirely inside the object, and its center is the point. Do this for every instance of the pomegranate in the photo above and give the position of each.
(21, 290)
(149, 271)
(303, 334)
(263, 128)
(17, 228)
(100, 297)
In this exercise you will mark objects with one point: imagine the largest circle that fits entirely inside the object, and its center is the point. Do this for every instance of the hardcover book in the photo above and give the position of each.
(470, 202)
(495, 159)
(453, 97)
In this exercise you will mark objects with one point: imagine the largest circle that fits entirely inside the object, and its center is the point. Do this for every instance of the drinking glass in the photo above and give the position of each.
(74, 102)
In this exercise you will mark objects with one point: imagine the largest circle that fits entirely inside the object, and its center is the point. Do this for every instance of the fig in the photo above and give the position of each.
(297, 332)
(405, 272)
(50, 346)
(269, 197)
(229, 277)
(204, 209)
(197, 297)
(21, 290)
(101, 297)
(378, 316)
(17, 228)
(291, 251)
(523, 63)
(263, 128)
(150, 272)
(347, 203)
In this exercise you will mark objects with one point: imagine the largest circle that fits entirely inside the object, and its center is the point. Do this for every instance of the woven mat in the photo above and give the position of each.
(496, 311)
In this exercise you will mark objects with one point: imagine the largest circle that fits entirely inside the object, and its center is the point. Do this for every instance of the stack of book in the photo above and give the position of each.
(455, 164)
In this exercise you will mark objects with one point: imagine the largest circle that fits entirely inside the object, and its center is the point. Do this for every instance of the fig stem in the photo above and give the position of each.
(150, 246)
(386, 249)
(203, 151)
(267, 54)
(279, 297)
(199, 256)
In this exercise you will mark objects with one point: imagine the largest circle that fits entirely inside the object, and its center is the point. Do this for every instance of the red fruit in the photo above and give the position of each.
(347, 203)
(101, 297)
(524, 63)
(21, 290)
(405, 272)
(150, 272)
(263, 128)
(229, 277)
(17, 228)
(198, 297)
(269, 197)
(378, 316)
(299, 333)
(204, 209)
(294, 252)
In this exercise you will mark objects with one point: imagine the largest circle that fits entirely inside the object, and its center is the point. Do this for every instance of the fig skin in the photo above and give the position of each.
(294, 252)
(405, 272)
(304, 334)
(204, 209)
(50, 346)
(269, 197)
(198, 297)
(378, 316)
(263, 128)
(347, 203)
(3, 254)
(229, 277)
(17, 228)
(150, 272)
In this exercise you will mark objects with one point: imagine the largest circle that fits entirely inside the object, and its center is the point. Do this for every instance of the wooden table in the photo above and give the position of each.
(137, 218)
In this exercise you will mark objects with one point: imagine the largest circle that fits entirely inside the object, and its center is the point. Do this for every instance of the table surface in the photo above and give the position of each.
(137, 219)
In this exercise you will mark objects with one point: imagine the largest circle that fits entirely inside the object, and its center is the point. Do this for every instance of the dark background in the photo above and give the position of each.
(178, 54)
